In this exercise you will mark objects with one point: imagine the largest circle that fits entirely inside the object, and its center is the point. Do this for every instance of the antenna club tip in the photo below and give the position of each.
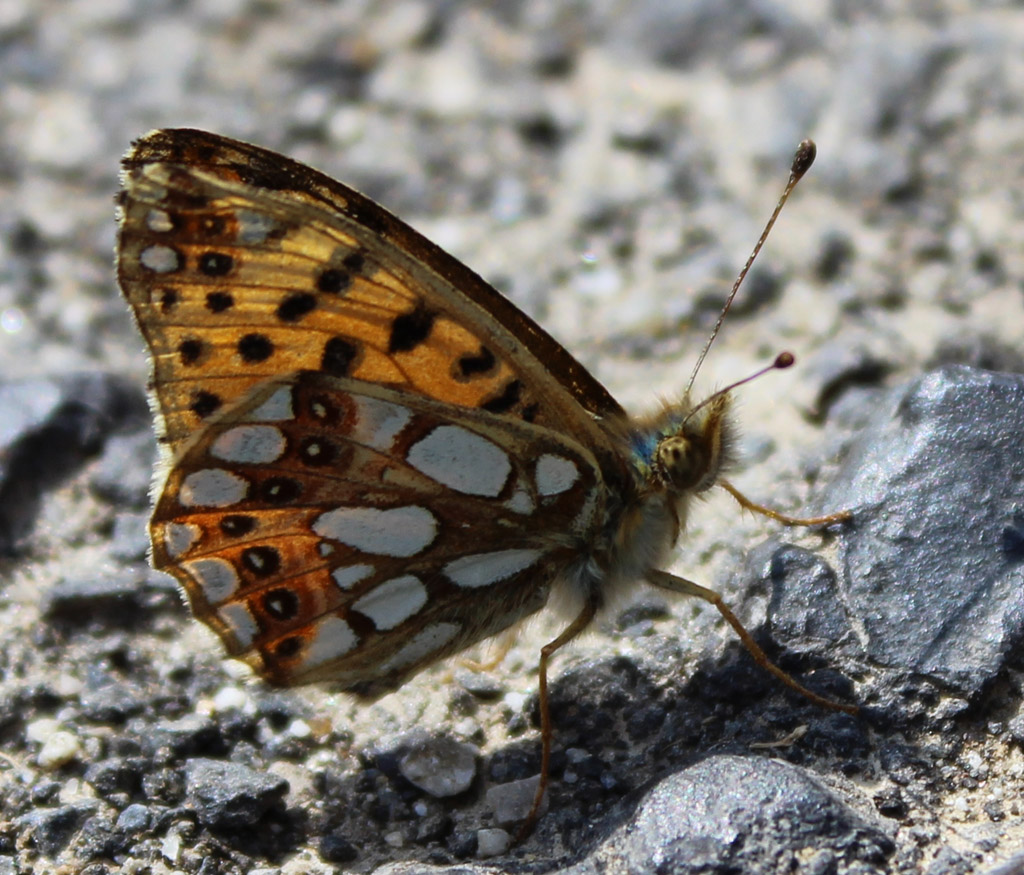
(806, 152)
(784, 360)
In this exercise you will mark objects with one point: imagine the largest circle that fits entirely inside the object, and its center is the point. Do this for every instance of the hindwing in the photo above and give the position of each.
(330, 530)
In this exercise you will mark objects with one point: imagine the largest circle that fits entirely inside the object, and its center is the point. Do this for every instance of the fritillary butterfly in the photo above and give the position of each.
(371, 459)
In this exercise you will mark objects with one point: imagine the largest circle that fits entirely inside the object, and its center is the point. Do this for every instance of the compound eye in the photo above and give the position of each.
(679, 462)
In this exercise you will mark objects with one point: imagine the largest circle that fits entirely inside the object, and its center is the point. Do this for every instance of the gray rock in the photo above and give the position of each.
(124, 471)
(130, 541)
(134, 819)
(50, 830)
(116, 597)
(440, 766)
(492, 842)
(929, 582)
(229, 796)
(185, 735)
(112, 702)
(117, 774)
(731, 814)
(50, 429)
(741, 814)
(511, 802)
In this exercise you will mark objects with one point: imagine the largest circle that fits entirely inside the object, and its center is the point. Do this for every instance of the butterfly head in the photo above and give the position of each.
(691, 456)
(690, 446)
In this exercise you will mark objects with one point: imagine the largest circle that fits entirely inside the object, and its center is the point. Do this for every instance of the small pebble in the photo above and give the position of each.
(492, 842)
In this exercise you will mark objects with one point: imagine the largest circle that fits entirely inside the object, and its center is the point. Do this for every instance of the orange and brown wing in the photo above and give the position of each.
(330, 530)
(242, 265)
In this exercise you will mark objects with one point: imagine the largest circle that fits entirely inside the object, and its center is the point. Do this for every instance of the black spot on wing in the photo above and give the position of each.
(205, 403)
(340, 354)
(212, 226)
(469, 366)
(218, 302)
(168, 300)
(318, 452)
(294, 307)
(333, 281)
(237, 525)
(508, 398)
(216, 263)
(281, 603)
(410, 329)
(190, 350)
(354, 262)
(280, 490)
(262, 561)
(288, 647)
(255, 348)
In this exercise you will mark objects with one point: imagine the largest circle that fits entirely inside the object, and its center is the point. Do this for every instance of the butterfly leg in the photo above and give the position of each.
(498, 653)
(841, 516)
(546, 652)
(687, 587)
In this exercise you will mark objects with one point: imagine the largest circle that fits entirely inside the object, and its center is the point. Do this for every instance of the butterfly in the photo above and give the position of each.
(371, 459)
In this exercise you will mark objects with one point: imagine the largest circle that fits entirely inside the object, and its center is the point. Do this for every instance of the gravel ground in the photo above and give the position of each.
(607, 166)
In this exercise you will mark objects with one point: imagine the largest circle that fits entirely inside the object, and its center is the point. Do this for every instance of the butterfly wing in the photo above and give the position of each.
(327, 529)
(242, 265)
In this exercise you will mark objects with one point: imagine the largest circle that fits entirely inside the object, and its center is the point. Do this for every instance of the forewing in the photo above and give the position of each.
(242, 265)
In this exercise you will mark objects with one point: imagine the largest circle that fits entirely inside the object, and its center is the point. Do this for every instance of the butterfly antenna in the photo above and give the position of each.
(802, 161)
(782, 361)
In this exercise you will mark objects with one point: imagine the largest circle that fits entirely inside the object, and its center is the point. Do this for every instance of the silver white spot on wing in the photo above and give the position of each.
(461, 460)
(179, 538)
(392, 602)
(254, 227)
(555, 474)
(212, 487)
(159, 221)
(428, 640)
(521, 502)
(250, 445)
(332, 638)
(241, 622)
(483, 569)
(160, 259)
(276, 408)
(349, 575)
(377, 422)
(397, 531)
(217, 577)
